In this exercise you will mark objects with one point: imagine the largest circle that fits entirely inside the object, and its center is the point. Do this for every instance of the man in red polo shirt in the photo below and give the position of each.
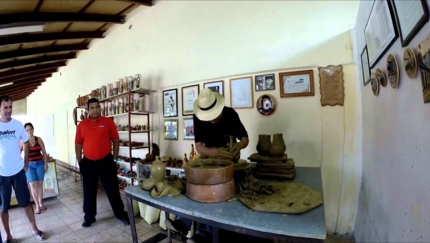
(95, 136)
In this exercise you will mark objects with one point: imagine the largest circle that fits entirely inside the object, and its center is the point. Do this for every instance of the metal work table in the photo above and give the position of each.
(234, 216)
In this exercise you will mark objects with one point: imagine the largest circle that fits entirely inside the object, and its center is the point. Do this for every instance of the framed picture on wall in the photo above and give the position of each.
(411, 17)
(171, 129)
(216, 86)
(189, 95)
(170, 103)
(241, 93)
(296, 84)
(380, 32)
(188, 129)
(265, 82)
(365, 66)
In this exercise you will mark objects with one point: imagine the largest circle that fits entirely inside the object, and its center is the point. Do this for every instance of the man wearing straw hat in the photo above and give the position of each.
(214, 123)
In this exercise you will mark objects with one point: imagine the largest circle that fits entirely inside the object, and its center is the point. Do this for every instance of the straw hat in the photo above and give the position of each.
(208, 105)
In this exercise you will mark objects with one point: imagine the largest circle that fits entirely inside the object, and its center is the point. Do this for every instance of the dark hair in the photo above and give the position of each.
(28, 124)
(262, 98)
(5, 98)
(92, 100)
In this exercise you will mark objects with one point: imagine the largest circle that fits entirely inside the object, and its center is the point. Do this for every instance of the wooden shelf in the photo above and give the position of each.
(135, 147)
(134, 91)
(136, 131)
(135, 113)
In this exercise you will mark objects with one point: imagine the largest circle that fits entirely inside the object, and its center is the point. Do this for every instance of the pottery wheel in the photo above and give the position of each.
(290, 198)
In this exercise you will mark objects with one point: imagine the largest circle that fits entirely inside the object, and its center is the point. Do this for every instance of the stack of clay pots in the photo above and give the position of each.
(213, 182)
(272, 161)
(82, 100)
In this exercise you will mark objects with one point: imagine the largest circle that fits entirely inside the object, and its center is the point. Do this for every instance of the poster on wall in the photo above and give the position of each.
(380, 31)
(50, 184)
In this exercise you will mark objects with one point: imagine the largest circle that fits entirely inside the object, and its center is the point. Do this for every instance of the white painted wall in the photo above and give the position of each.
(394, 201)
(177, 43)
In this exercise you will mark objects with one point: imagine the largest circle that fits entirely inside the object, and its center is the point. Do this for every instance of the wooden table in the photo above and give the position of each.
(234, 216)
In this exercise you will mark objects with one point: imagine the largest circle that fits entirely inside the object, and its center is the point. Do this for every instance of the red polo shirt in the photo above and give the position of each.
(96, 137)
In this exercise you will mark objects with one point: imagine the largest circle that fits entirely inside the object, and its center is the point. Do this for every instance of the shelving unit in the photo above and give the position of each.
(76, 121)
(132, 114)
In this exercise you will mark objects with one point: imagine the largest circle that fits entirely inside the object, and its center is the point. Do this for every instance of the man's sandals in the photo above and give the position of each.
(39, 235)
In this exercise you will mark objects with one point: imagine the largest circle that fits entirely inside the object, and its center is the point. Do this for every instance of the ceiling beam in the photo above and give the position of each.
(26, 91)
(18, 19)
(43, 50)
(147, 3)
(22, 88)
(30, 61)
(27, 75)
(29, 70)
(26, 80)
(27, 38)
(21, 96)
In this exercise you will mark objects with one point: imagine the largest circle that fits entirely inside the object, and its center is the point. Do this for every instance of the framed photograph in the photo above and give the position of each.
(170, 103)
(424, 67)
(216, 86)
(241, 93)
(188, 129)
(297, 84)
(171, 129)
(265, 82)
(380, 32)
(189, 95)
(365, 66)
(411, 17)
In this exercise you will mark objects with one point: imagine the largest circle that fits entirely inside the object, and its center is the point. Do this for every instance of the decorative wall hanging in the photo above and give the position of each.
(375, 86)
(380, 31)
(241, 94)
(296, 84)
(411, 16)
(331, 85)
(170, 103)
(188, 129)
(365, 66)
(189, 95)
(266, 104)
(265, 82)
(171, 129)
(423, 58)
(216, 86)
(380, 75)
(410, 63)
(393, 71)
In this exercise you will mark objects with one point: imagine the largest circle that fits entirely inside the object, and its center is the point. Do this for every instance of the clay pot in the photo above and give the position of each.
(264, 144)
(158, 170)
(278, 146)
(208, 171)
(77, 101)
(210, 193)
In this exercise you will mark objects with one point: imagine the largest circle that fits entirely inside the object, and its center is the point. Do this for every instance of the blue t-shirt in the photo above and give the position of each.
(11, 133)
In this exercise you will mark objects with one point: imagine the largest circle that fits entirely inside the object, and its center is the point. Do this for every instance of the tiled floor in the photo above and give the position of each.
(62, 221)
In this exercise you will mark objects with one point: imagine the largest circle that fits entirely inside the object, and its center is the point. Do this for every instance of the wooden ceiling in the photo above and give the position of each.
(28, 59)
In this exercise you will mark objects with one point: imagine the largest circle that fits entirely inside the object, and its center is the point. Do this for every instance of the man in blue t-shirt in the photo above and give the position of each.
(13, 168)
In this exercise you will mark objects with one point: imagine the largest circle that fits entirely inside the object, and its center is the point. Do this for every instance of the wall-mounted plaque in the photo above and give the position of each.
(331, 85)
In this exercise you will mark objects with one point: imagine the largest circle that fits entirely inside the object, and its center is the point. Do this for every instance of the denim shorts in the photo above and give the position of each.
(36, 171)
(20, 186)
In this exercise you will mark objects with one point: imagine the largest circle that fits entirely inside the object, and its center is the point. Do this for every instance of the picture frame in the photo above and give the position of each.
(189, 95)
(265, 82)
(241, 93)
(409, 25)
(296, 83)
(375, 32)
(170, 129)
(170, 103)
(216, 86)
(365, 66)
(188, 129)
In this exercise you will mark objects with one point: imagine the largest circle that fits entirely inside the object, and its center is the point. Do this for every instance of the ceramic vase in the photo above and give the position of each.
(82, 116)
(264, 144)
(158, 170)
(277, 148)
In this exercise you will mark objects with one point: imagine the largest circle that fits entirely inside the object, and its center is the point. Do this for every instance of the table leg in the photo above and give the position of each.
(169, 233)
(215, 235)
(131, 218)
